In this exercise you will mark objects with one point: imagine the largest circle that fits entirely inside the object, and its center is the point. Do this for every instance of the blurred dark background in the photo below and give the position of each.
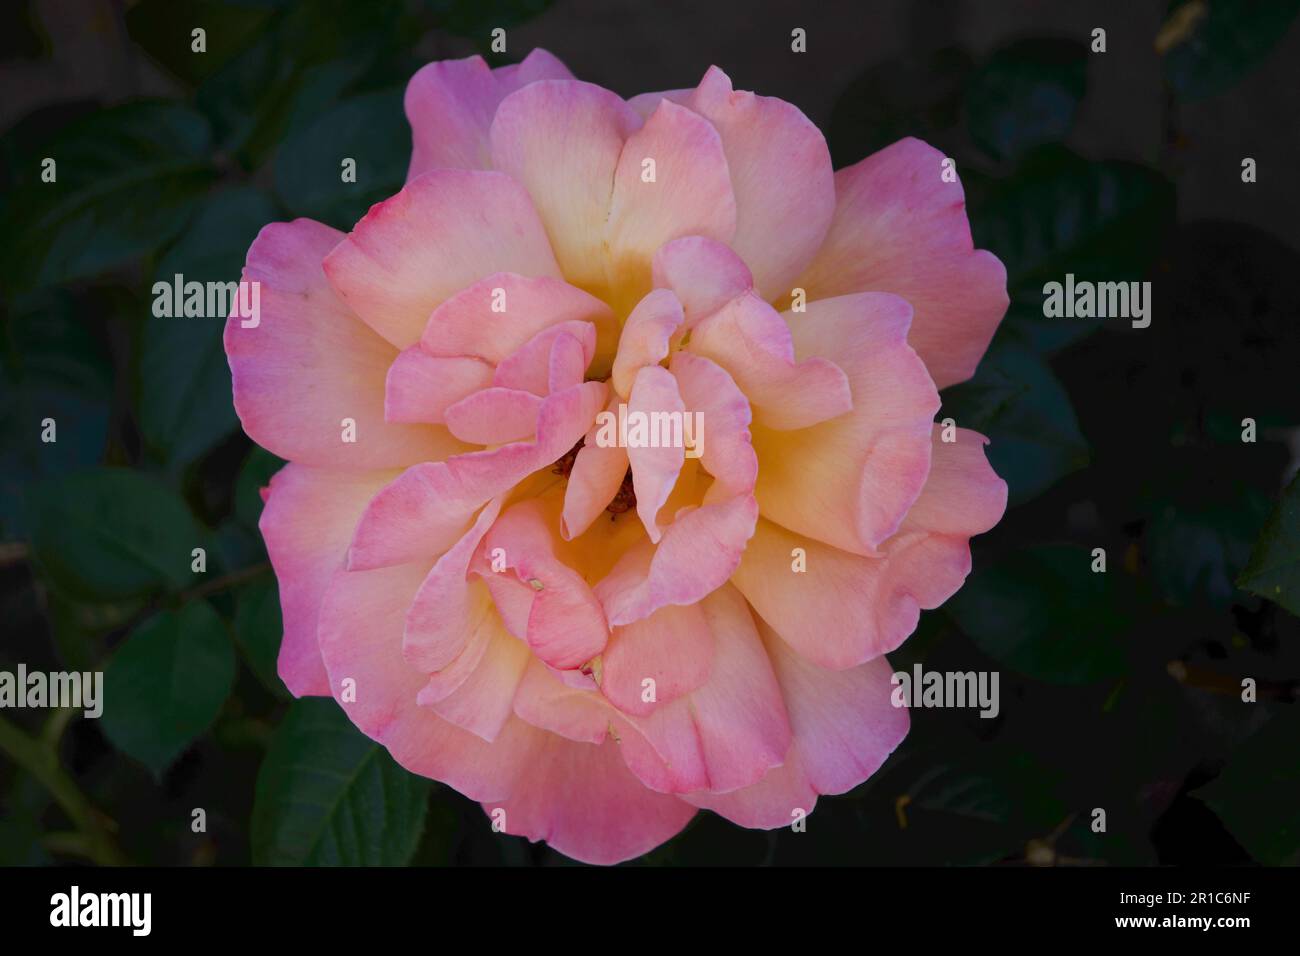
(1120, 691)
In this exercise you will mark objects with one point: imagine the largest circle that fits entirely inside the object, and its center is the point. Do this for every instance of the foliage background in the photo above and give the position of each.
(1119, 691)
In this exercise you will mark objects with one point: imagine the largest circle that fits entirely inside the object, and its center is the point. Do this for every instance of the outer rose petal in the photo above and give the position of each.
(450, 105)
(310, 363)
(690, 195)
(848, 609)
(307, 523)
(562, 139)
(361, 626)
(781, 174)
(868, 466)
(900, 228)
(444, 231)
(582, 800)
(962, 494)
(844, 726)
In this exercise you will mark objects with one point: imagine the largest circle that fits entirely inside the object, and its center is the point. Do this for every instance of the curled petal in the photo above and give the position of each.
(481, 698)
(597, 474)
(697, 554)
(420, 386)
(751, 340)
(496, 317)
(703, 273)
(566, 626)
(646, 336)
(844, 609)
(362, 619)
(557, 355)
(447, 608)
(868, 466)
(655, 466)
(428, 507)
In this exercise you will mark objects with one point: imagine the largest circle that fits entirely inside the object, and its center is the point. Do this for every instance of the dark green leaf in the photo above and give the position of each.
(184, 376)
(1059, 214)
(1026, 95)
(1258, 794)
(163, 29)
(1274, 568)
(974, 803)
(165, 685)
(1225, 324)
(53, 367)
(113, 533)
(329, 796)
(128, 179)
(258, 630)
(1225, 42)
(305, 59)
(1198, 545)
(1044, 613)
(370, 129)
(1016, 402)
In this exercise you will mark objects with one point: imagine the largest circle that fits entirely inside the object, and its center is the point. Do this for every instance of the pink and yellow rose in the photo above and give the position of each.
(596, 639)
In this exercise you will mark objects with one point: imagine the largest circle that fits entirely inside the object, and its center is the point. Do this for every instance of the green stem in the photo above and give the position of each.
(43, 764)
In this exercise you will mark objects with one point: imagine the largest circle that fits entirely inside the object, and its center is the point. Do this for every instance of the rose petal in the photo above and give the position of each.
(310, 366)
(900, 228)
(307, 523)
(444, 231)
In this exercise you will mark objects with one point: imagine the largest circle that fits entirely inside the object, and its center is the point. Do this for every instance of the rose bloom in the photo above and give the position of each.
(595, 639)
